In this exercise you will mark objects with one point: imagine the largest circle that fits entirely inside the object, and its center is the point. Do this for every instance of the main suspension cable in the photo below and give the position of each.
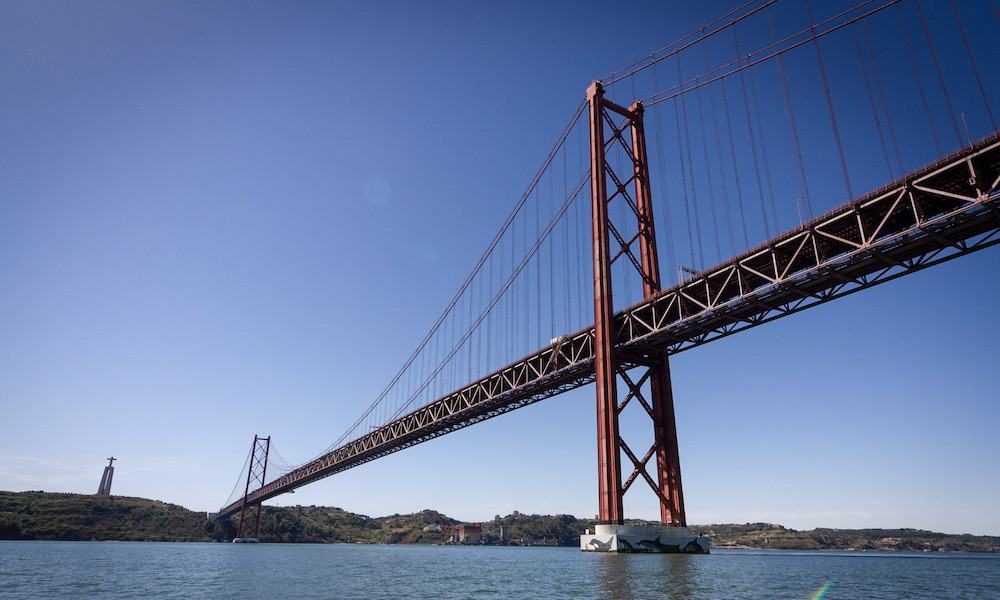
(499, 293)
(239, 478)
(701, 80)
(532, 186)
(653, 58)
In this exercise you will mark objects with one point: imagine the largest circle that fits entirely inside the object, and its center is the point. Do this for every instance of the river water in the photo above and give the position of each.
(165, 570)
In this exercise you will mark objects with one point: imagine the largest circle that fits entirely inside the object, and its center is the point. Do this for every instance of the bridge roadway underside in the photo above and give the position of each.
(942, 211)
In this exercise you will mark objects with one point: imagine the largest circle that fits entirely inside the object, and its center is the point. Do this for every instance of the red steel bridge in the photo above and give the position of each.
(741, 129)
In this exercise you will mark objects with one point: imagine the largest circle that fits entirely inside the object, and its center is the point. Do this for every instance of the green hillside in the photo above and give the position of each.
(45, 516)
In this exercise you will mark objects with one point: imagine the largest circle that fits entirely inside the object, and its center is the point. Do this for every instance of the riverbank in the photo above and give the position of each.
(51, 516)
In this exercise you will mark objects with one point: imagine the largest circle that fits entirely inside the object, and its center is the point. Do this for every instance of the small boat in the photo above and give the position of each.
(246, 541)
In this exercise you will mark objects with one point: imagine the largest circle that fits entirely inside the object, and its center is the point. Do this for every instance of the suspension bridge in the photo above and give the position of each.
(733, 156)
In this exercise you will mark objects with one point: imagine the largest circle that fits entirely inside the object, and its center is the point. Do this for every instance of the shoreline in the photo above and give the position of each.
(41, 516)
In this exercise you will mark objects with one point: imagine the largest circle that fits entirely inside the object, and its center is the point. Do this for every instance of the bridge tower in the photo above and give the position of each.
(249, 525)
(613, 126)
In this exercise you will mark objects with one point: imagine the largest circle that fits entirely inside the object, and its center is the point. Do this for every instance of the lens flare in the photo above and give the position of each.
(820, 592)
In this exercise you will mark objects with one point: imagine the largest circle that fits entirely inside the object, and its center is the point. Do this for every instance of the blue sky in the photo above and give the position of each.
(220, 219)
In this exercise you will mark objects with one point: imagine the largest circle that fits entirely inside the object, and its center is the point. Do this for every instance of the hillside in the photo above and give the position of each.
(45, 516)
(767, 535)
(321, 524)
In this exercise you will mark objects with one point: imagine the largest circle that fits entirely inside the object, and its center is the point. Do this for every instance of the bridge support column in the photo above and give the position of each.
(668, 462)
(608, 458)
(613, 367)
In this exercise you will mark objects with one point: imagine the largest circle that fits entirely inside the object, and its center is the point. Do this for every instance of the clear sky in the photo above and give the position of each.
(221, 219)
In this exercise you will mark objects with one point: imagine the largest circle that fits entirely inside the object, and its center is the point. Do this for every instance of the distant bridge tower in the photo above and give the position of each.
(109, 471)
(249, 525)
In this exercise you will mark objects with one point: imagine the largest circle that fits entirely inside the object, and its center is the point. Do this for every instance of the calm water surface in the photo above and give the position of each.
(150, 570)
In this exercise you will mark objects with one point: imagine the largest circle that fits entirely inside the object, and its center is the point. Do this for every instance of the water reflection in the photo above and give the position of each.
(628, 576)
(613, 576)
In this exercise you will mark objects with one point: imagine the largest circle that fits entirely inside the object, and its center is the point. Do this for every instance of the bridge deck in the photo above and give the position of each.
(942, 211)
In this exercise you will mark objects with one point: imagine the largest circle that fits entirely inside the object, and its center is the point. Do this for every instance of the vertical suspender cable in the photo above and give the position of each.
(711, 185)
(538, 272)
(940, 74)
(920, 86)
(873, 60)
(585, 265)
(579, 234)
(661, 154)
(490, 320)
(753, 142)
(803, 198)
(479, 338)
(512, 298)
(722, 175)
(435, 358)
(736, 170)
(469, 360)
(503, 287)
(450, 371)
(507, 315)
(526, 288)
(871, 100)
(972, 61)
(444, 362)
(581, 302)
(489, 323)
(694, 189)
(566, 256)
(829, 102)
(446, 373)
(680, 156)
(552, 267)
(763, 149)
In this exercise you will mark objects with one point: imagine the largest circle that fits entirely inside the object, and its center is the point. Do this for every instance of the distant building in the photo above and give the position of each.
(432, 528)
(468, 534)
(109, 472)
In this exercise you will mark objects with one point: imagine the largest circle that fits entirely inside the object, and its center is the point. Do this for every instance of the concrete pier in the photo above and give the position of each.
(643, 538)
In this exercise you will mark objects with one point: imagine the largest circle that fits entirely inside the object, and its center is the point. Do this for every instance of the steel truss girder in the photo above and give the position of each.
(565, 365)
(955, 208)
(943, 211)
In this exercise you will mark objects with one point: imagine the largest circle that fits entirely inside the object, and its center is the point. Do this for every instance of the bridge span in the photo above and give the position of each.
(527, 324)
(945, 210)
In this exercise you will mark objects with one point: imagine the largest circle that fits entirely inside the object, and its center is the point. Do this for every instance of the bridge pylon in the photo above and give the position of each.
(625, 126)
(248, 529)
